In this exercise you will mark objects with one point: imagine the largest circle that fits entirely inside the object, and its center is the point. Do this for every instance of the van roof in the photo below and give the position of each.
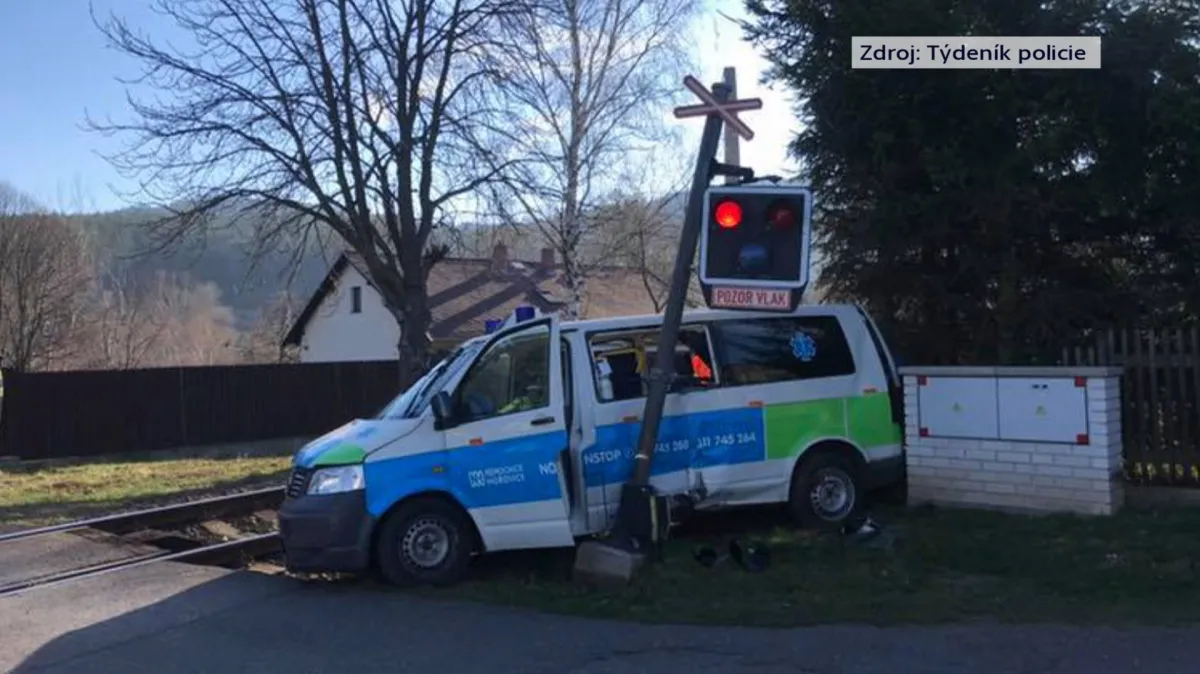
(697, 315)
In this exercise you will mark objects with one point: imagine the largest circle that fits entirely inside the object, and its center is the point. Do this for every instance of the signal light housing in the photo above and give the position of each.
(756, 236)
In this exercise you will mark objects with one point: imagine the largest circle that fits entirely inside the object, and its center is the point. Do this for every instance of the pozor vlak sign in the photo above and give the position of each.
(755, 246)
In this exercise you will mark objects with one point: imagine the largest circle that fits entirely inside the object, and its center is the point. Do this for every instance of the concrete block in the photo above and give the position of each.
(965, 464)
(980, 454)
(997, 488)
(1005, 477)
(599, 563)
(1048, 448)
(1090, 451)
(1055, 471)
(1073, 483)
(1090, 473)
(1073, 461)
(1014, 457)
(953, 473)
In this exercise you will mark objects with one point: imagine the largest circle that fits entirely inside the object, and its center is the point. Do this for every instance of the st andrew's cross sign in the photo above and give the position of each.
(727, 110)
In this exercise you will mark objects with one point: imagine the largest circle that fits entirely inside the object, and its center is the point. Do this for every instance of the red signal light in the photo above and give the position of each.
(728, 214)
(781, 216)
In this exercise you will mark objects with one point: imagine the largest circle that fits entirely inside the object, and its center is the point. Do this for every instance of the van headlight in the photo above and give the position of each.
(336, 479)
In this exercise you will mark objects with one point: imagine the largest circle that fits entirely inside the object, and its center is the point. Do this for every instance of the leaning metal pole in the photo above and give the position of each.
(662, 371)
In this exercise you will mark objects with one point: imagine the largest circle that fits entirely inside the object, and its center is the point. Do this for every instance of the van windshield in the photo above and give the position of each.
(414, 400)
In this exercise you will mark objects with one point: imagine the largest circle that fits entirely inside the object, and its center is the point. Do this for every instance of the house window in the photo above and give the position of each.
(356, 300)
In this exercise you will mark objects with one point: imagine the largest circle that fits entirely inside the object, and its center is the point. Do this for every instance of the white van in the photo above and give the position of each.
(522, 438)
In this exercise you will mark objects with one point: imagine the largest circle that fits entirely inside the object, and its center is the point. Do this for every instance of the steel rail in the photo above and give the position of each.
(169, 514)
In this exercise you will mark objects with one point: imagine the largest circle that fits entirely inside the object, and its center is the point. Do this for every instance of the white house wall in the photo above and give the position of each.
(334, 334)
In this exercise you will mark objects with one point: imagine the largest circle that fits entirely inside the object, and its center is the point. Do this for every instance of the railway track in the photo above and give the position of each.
(237, 550)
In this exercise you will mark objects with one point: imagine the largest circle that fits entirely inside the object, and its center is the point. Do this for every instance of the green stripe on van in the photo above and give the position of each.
(793, 426)
(866, 420)
(340, 455)
(871, 421)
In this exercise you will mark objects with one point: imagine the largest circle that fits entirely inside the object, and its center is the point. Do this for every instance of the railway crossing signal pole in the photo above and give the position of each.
(637, 507)
(731, 155)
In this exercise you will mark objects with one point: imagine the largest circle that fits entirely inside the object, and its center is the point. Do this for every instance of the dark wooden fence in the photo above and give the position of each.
(1160, 396)
(55, 414)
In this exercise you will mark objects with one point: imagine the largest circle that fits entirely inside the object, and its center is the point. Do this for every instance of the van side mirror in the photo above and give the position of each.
(443, 409)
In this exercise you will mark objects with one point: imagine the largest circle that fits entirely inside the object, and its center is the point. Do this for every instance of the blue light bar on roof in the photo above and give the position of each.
(491, 325)
(524, 313)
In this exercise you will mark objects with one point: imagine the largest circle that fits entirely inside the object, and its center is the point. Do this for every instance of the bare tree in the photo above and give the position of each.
(168, 321)
(263, 342)
(123, 330)
(44, 275)
(590, 80)
(364, 118)
(198, 327)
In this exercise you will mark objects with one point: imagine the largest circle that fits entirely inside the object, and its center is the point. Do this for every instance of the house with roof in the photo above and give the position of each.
(346, 319)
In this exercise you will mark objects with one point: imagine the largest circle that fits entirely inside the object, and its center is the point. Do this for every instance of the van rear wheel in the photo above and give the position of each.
(827, 492)
(425, 542)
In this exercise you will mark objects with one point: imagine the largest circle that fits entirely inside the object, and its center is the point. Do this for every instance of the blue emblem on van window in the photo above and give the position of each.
(804, 347)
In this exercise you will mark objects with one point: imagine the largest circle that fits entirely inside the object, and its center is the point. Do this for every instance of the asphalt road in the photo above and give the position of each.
(40, 556)
(170, 618)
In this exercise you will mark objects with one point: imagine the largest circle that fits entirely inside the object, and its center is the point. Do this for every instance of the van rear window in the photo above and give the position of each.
(783, 349)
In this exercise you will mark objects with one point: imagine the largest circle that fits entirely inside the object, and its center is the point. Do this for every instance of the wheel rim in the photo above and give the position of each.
(832, 495)
(426, 544)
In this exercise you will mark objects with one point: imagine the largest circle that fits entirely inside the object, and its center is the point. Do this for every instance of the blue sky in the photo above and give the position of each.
(55, 66)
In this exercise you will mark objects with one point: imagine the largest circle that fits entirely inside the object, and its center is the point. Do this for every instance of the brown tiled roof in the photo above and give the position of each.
(465, 292)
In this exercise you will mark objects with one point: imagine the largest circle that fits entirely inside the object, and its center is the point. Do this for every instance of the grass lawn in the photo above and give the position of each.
(929, 565)
(40, 495)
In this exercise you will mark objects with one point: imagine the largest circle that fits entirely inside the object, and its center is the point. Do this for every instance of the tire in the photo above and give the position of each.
(827, 492)
(426, 541)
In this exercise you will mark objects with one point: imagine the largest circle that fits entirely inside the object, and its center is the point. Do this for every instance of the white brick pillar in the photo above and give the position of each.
(988, 456)
(1104, 423)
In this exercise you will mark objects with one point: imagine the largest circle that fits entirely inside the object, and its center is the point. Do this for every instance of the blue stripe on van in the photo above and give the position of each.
(698, 440)
(504, 472)
(524, 470)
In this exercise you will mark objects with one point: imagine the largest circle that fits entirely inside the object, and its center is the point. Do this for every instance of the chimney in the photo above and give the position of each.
(547, 258)
(500, 258)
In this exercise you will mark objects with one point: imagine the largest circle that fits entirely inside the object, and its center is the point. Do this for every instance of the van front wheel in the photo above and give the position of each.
(425, 542)
(826, 492)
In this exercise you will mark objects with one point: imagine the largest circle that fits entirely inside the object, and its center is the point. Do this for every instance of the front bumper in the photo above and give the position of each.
(326, 532)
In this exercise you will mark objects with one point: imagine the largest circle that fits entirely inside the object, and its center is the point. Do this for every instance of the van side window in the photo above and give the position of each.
(512, 376)
(621, 362)
(770, 350)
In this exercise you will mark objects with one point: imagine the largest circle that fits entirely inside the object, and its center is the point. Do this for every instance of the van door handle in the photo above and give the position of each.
(542, 421)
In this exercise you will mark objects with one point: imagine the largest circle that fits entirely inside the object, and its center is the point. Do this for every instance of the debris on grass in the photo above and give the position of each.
(919, 565)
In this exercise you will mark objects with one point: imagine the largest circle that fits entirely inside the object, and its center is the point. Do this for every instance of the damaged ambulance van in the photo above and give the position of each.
(523, 437)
